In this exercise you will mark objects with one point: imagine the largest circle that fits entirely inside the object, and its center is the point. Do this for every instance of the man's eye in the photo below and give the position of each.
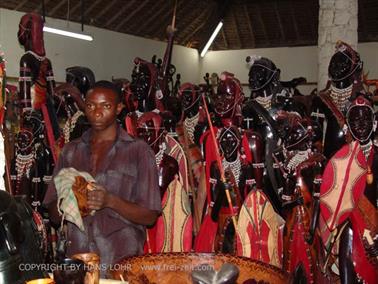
(107, 106)
(90, 106)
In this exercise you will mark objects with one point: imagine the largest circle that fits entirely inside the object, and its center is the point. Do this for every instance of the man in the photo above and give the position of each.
(126, 195)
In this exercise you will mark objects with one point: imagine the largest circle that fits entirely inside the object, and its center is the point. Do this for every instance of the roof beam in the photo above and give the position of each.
(120, 13)
(278, 16)
(57, 7)
(106, 9)
(130, 16)
(249, 24)
(260, 19)
(167, 16)
(237, 29)
(224, 39)
(201, 24)
(156, 14)
(20, 5)
(294, 20)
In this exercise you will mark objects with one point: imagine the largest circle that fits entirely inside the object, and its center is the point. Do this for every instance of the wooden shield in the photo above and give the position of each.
(260, 228)
(344, 181)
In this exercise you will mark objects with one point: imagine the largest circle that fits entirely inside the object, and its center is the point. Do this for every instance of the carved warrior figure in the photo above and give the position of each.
(349, 199)
(330, 106)
(173, 230)
(36, 80)
(32, 165)
(301, 170)
(69, 101)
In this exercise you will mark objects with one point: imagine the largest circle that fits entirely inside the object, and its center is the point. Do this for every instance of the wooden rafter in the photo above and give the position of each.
(20, 5)
(249, 24)
(164, 19)
(224, 38)
(278, 16)
(237, 33)
(91, 7)
(120, 12)
(75, 7)
(56, 8)
(106, 9)
(294, 20)
(260, 19)
(196, 29)
(156, 14)
(129, 16)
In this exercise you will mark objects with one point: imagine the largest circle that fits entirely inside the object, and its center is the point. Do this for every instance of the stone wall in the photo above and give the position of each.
(338, 20)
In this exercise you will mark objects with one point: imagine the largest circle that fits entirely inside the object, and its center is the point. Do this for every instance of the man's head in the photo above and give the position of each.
(102, 105)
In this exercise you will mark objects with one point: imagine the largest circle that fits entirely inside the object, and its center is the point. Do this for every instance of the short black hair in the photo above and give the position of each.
(110, 86)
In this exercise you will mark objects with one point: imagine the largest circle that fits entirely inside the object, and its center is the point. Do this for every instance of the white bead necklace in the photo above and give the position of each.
(70, 124)
(265, 102)
(298, 158)
(23, 164)
(159, 155)
(189, 124)
(38, 57)
(340, 96)
(234, 166)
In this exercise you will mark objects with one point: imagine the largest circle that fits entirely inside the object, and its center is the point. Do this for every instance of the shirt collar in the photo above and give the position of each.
(122, 135)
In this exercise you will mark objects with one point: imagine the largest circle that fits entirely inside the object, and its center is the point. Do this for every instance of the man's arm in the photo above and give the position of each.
(100, 198)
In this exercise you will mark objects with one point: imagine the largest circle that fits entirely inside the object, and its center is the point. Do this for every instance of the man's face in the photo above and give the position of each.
(360, 121)
(228, 142)
(102, 108)
(224, 100)
(140, 83)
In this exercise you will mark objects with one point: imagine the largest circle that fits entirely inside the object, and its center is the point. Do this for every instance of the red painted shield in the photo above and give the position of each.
(344, 181)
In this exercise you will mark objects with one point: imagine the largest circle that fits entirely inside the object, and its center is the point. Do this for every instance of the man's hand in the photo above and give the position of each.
(97, 197)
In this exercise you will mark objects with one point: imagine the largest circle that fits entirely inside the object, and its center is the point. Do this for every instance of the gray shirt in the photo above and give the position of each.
(129, 171)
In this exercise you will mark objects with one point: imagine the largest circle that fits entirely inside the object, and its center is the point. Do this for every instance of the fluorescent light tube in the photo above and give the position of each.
(66, 33)
(213, 36)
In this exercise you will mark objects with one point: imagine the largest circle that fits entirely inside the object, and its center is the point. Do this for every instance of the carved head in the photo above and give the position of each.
(143, 82)
(360, 118)
(229, 96)
(150, 129)
(262, 72)
(30, 33)
(229, 142)
(344, 66)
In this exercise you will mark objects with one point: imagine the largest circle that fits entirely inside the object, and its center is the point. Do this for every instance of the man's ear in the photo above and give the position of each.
(120, 106)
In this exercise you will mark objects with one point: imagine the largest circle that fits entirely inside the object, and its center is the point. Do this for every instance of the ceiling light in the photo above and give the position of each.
(213, 36)
(66, 33)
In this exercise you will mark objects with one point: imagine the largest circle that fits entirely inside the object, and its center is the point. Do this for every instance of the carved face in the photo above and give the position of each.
(340, 67)
(261, 74)
(24, 140)
(149, 128)
(81, 77)
(229, 142)
(140, 83)
(147, 132)
(224, 99)
(360, 120)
